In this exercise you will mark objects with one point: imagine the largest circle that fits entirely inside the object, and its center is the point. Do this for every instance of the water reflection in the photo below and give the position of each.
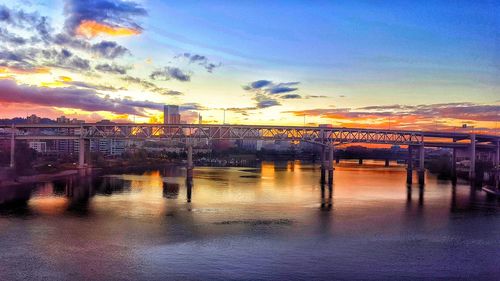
(326, 199)
(273, 182)
(256, 217)
(170, 190)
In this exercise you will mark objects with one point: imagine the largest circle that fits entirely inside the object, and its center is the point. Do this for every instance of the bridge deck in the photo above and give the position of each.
(319, 135)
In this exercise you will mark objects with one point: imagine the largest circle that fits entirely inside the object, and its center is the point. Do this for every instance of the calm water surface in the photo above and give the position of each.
(274, 222)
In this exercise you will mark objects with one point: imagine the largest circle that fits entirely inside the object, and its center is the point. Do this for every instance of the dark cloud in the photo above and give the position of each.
(115, 13)
(138, 81)
(269, 87)
(111, 68)
(7, 55)
(105, 49)
(65, 59)
(32, 58)
(259, 84)
(291, 96)
(200, 60)
(168, 73)
(84, 99)
(150, 86)
(21, 59)
(26, 20)
(166, 92)
(210, 66)
(109, 49)
(266, 90)
(193, 58)
(386, 107)
(315, 96)
(283, 88)
(11, 38)
(86, 85)
(267, 103)
(420, 113)
(263, 101)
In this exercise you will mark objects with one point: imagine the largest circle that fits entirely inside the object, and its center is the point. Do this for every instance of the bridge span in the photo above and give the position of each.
(325, 137)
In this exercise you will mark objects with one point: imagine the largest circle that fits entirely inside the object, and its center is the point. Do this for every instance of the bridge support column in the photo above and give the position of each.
(421, 168)
(454, 165)
(387, 162)
(88, 155)
(322, 159)
(13, 148)
(189, 170)
(360, 161)
(82, 168)
(472, 168)
(496, 166)
(331, 153)
(409, 169)
(337, 160)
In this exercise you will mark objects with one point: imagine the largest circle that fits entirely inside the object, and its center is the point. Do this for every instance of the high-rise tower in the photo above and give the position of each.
(171, 114)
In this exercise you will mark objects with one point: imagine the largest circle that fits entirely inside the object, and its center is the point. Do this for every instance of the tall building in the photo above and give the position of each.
(39, 146)
(171, 114)
(67, 146)
(33, 119)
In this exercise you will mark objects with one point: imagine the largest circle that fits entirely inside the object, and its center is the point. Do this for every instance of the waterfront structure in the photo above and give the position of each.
(39, 146)
(33, 119)
(325, 137)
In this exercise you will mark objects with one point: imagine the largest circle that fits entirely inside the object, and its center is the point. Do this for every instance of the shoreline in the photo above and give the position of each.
(23, 180)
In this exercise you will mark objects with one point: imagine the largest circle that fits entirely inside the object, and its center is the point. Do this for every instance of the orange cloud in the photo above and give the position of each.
(90, 28)
(65, 79)
(36, 70)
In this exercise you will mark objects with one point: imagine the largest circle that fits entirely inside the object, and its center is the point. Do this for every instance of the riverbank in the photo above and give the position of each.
(22, 180)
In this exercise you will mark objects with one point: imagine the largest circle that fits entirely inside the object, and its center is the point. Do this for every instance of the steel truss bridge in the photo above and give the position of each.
(182, 132)
(326, 137)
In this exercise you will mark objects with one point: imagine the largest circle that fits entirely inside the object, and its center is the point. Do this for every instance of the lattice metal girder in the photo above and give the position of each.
(322, 135)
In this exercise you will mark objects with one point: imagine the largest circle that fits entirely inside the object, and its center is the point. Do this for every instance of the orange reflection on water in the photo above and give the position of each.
(46, 203)
(370, 180)
(267, 170)
(148, 182)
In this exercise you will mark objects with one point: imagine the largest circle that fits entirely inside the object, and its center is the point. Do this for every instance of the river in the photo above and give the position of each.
(271, 222)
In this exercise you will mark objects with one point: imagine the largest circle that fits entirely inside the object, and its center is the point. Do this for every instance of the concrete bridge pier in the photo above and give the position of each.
(190, 166)
(323, 168)
(331, 153)
(496, 166)
(409, 163)
(13, 148)
(472, 150)
(360, 161)
(83, 157)
(421, 168)
(387, 162)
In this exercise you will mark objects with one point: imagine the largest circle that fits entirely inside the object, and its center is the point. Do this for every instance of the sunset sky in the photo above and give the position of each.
(398, 64)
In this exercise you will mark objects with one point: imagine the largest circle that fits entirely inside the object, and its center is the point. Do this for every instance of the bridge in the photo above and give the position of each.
(325, 137)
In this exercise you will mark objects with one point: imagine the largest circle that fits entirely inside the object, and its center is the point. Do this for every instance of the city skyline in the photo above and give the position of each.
(403, 65)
